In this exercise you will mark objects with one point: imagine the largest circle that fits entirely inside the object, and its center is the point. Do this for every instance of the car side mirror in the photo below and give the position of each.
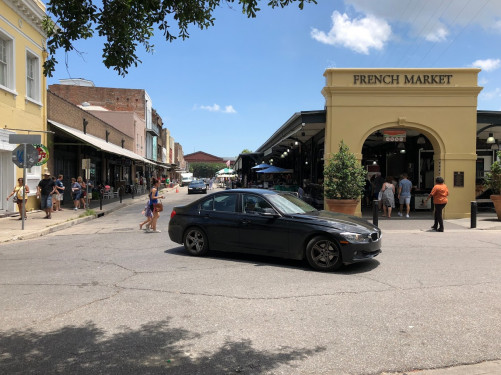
(269, 212)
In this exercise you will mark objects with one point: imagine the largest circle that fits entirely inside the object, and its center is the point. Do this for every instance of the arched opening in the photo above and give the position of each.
(390, 150)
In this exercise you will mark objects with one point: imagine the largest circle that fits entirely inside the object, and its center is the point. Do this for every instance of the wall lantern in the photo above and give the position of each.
(421, 140)
(491, 139)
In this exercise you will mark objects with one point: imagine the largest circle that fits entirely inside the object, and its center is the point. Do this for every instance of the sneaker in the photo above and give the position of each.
(148, 226)
(400, 214)
(75, 209)
(407, 215)
(155, 231)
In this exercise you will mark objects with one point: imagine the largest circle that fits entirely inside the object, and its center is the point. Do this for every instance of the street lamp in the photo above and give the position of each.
(490, 139)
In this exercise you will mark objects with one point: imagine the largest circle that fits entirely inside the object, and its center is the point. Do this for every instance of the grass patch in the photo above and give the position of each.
(88, 212)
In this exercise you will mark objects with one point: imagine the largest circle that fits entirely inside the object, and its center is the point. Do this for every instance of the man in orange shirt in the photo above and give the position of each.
(439, 194)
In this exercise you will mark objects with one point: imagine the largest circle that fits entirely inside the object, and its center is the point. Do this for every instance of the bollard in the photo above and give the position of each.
(132, 191)
(101, 192)
(120, 193)
(473, 216)
(375, 205)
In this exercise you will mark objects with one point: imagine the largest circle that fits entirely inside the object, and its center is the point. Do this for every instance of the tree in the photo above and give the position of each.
(127, 23)
(204, 170)
(246, 151)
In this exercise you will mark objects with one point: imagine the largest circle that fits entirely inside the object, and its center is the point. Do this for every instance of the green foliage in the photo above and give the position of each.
(127, 23)
(246, 151)
(344, 177)
(204, 170)
(493, 178)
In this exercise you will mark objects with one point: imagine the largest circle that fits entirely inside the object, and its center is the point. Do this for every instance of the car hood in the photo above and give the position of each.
(337, 220)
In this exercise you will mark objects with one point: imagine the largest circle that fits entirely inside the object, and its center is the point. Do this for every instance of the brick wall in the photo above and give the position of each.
(114, 99)
(64, 112)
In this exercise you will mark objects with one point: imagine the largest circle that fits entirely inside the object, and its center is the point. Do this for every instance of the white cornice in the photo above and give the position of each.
(31, 11)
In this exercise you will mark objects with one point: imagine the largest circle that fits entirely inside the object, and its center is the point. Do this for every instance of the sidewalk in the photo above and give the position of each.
(36, 225)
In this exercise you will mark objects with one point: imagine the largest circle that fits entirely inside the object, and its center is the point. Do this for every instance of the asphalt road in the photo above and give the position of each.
(105, 298)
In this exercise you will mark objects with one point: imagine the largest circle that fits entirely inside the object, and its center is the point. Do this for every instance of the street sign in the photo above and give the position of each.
(31, 156)
(43, 154)
(25, 138)
(86, 164)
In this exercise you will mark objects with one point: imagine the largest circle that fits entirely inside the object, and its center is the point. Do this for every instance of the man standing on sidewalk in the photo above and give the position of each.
(404, 194)
(45, 189)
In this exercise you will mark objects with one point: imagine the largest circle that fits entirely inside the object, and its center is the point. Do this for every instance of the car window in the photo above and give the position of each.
(290, 204)
(253, 204)
(207, 205)
(225, 202)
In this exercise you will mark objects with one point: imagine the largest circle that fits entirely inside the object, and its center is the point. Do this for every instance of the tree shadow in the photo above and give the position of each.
(154, 348)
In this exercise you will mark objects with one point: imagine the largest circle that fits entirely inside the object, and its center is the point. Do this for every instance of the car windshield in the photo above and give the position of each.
(197, 183)
(290, 204)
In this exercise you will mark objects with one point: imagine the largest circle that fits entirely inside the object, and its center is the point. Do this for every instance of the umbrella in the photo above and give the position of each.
(261, 166)
(274, 169)
(225, 171)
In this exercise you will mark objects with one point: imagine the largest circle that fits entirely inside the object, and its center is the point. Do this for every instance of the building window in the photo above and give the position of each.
(6, 61)
(32, 76)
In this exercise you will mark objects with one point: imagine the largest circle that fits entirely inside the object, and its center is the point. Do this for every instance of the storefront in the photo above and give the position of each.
(423, 122)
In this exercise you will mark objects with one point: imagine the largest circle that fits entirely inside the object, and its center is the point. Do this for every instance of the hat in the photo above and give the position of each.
(46, 172)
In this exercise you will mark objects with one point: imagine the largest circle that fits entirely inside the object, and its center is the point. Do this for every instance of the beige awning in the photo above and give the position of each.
(99, 143)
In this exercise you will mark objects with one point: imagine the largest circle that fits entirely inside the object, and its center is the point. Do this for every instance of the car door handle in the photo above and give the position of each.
(245, 221)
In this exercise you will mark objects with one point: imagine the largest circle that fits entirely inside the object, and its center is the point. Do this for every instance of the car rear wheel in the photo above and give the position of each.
(195, 242)
(323, 254)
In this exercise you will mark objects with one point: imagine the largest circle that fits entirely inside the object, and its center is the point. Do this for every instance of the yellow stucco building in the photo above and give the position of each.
(22, 88)
(438, 103)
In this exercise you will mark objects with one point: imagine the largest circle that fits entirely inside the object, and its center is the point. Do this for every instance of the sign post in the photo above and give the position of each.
(24, 156)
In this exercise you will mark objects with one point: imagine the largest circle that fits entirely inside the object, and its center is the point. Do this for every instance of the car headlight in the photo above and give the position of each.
(356, 237)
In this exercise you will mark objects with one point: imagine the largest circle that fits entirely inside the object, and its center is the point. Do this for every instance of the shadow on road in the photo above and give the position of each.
(261, 260)
(154, 348)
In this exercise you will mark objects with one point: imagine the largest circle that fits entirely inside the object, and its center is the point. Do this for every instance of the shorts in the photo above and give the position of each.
(405, 200)
(46, 201)
(77, 196)
(59, 197)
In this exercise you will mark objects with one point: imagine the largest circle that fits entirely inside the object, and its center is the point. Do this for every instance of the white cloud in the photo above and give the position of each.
(439, 35)
(487, 65)
(217, 108)
(359, 35)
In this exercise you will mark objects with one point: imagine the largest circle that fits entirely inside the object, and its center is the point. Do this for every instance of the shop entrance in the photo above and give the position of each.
(434, 110)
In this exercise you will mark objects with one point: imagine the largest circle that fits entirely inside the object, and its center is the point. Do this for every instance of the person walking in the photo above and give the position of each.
(59, 193)
(440, 192)
(83, 191)
(46, 187)
(388, 197)
(154, 197)
(17, 192)
(149, 216)
(404, 195)
(76, 192)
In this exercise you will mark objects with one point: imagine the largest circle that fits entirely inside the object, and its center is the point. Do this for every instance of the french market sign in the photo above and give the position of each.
(402, 79)
(43, 154)
(394, 135)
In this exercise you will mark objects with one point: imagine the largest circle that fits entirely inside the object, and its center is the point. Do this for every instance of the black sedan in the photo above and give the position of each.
(197, 186)
(277, 224)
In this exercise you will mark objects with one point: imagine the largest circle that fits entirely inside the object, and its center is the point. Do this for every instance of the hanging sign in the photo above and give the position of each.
(394, 135)
(43, 154)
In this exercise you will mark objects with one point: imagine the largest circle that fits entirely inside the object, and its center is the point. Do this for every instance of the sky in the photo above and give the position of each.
(230, 87)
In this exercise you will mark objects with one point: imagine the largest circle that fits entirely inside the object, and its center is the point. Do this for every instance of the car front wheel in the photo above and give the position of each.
(195, 242)
(323, 254)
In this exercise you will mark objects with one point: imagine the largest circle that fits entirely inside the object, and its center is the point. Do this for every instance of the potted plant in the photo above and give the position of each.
(344, 181)
(493, 182)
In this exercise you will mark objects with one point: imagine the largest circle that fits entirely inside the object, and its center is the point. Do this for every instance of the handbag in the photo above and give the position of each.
(14, 199)
(159, 207)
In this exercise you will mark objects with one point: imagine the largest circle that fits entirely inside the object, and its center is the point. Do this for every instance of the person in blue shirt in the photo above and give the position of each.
(404, 195)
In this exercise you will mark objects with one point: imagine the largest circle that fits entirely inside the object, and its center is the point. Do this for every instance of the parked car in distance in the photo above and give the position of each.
(273, 223)
(197, 186)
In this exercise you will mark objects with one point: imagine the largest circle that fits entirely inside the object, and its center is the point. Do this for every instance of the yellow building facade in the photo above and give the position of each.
(438, 103)
(22, 88)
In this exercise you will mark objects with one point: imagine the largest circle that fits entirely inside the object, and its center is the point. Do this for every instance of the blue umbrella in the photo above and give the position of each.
(273, 169)
(261, 166)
